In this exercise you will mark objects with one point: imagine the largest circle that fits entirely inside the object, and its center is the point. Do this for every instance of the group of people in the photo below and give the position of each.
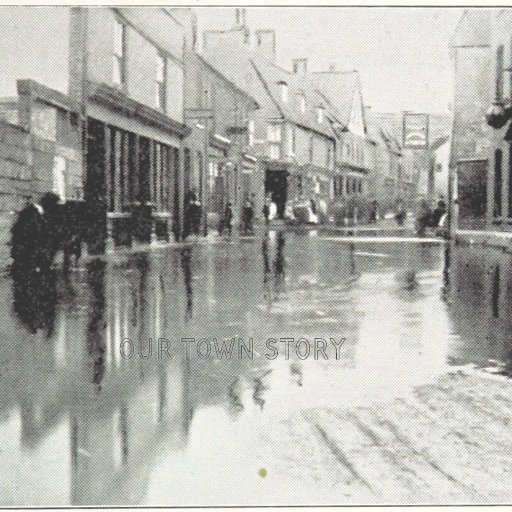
(428, 217)
(40, 230)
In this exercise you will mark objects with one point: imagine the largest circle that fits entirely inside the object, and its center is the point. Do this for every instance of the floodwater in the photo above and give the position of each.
(84, 423)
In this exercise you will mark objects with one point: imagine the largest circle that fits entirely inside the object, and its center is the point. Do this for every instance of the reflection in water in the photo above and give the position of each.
(186, 265)
(352, 258)
(96, 325)
(35, 298)
(86, 426)
(446, 288)
(480, 301)
(296, 373)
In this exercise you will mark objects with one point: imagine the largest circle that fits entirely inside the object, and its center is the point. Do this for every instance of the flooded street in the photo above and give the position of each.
(401, 415)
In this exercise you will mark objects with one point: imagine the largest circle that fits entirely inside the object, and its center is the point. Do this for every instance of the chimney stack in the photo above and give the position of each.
(266, 44)
(332, 67)
(300, 66)
(240, 16)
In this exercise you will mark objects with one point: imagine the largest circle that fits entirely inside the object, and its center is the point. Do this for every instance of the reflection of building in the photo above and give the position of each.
(480, 306)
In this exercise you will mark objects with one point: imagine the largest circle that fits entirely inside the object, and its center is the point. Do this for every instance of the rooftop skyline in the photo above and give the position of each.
(402, 54)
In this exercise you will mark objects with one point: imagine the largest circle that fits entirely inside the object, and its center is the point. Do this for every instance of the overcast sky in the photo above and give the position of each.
(402, 53)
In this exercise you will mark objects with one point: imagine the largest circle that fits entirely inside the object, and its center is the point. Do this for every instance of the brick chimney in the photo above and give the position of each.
(240, 17)
(300, 66)
(266, 44)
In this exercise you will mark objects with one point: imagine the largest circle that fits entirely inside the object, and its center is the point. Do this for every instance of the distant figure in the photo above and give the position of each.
(266, 209)
(74, 230)
(374, 212)
(195, 216)
(247, 217)
(191, 214)
(401, 214)
(423, 217)
(226, 221)
(438, 213)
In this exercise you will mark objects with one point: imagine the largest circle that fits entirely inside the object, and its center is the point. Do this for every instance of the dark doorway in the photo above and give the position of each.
(276, 184)
(472, 193)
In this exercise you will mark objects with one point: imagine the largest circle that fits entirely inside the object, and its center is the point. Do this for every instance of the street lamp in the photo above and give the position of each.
(498, 115)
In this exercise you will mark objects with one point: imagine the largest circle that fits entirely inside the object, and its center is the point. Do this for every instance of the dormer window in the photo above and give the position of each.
(320, 114)
(301, 98)
(283, 91)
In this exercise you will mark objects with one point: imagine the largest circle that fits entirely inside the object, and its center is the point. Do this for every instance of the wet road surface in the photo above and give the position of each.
(415, 409)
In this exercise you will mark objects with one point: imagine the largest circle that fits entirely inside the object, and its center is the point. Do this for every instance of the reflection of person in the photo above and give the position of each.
(35, 298)
(96, 321)
(186, 266)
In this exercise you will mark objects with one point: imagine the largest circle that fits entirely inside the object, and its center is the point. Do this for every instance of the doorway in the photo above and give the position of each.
(276, 184)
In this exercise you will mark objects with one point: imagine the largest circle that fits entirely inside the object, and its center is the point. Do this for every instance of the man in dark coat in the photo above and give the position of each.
(29, 239)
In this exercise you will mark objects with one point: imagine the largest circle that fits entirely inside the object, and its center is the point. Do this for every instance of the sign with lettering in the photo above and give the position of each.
(415, 130)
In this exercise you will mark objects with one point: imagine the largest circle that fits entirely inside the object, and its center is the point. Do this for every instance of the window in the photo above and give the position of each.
(160, 82)
(250, 131)
(329, 156)
(499, 72)
(274, 139)
(119, 53)
(301, 98)
(291, 140)
(274, 133)
(320, 114)
(283, 88)
(275, 152)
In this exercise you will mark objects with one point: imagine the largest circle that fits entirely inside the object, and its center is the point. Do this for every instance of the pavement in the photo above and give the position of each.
(448, 442)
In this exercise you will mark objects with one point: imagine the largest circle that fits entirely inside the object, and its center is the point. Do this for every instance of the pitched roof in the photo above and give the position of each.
(338, 89)
(272, 75)
(261, 79)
